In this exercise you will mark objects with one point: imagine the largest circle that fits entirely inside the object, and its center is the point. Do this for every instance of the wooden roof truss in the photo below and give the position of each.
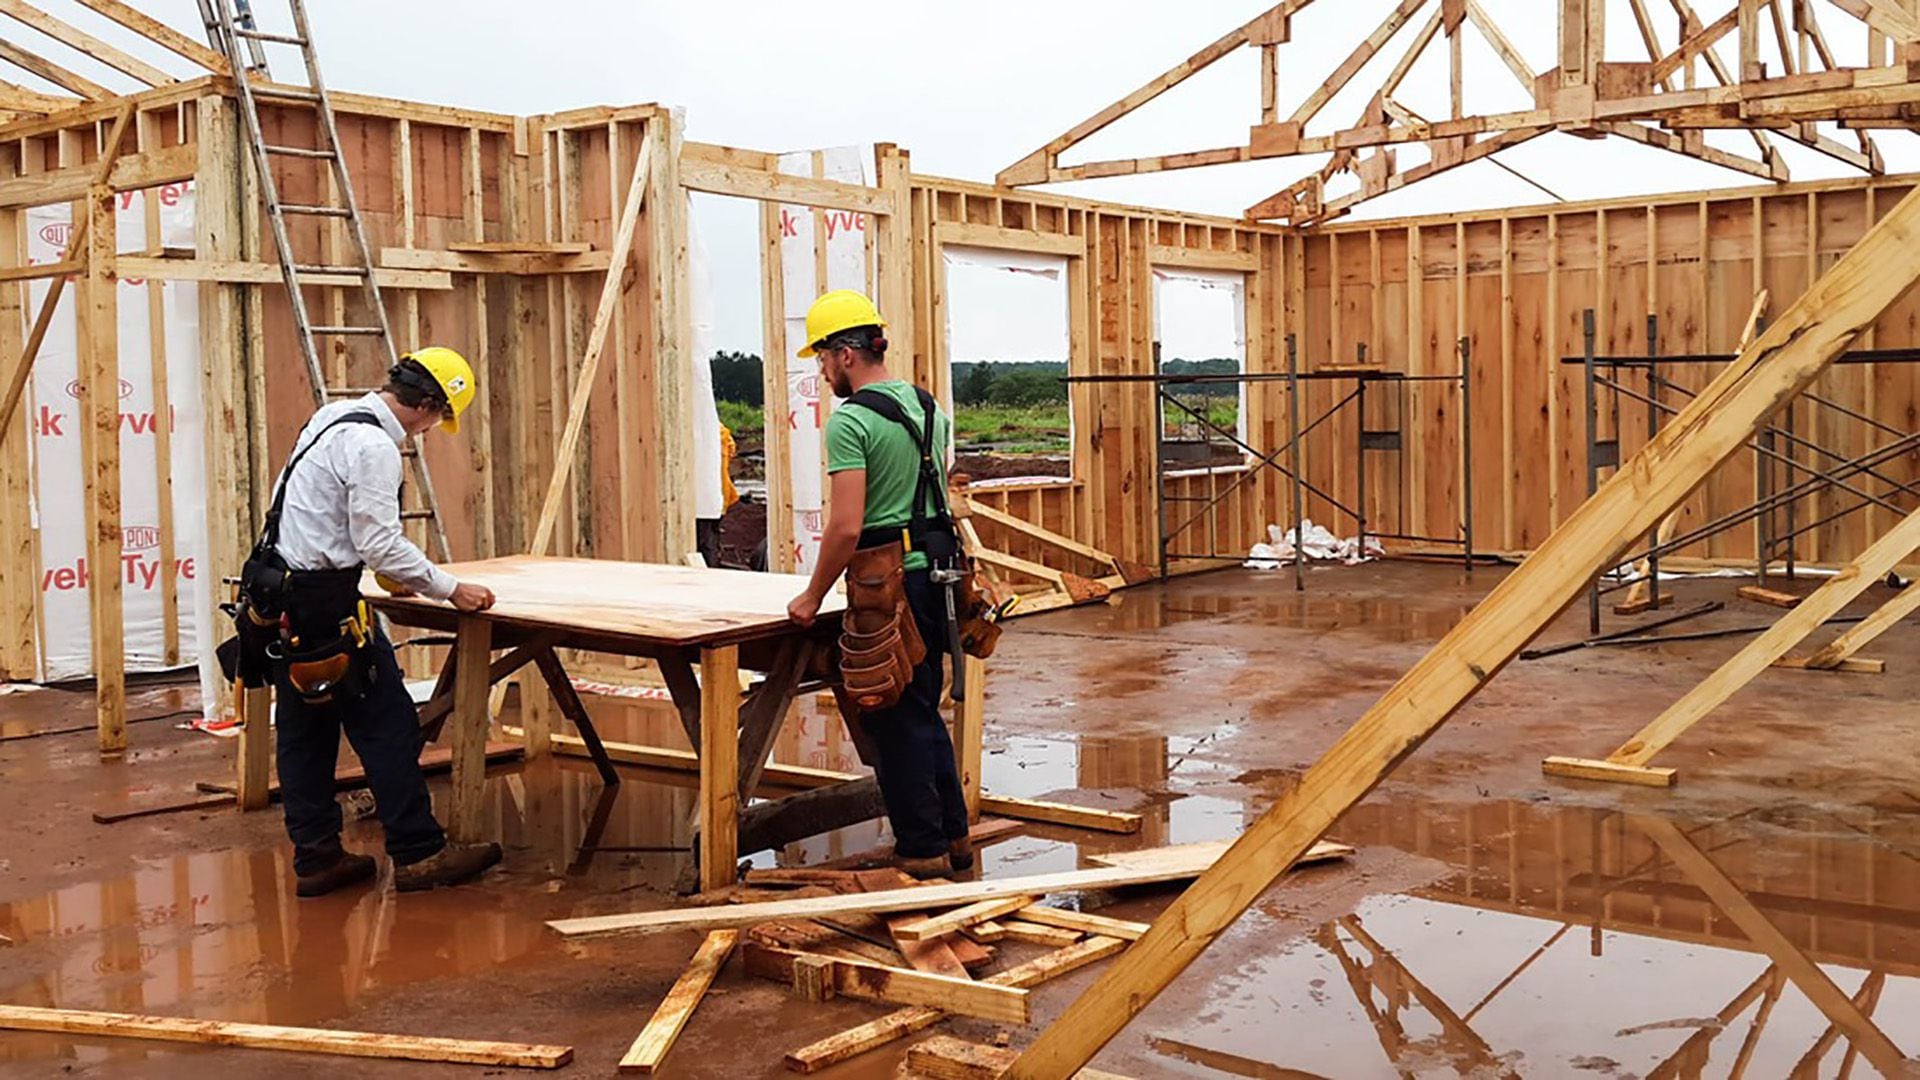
(1785, 83)
(21, 102)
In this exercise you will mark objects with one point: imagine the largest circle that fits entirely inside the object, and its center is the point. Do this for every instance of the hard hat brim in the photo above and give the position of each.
(450, 425)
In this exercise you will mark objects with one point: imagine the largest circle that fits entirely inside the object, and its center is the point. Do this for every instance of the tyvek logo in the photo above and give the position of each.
(73, 389)
(139, 537)
(57, 233)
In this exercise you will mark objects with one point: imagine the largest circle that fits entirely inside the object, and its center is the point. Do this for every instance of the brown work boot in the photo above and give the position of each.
(960, 854)
(932, 866)
(451, 865)
(348, 869)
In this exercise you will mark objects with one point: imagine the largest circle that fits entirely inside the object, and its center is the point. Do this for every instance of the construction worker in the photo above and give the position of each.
(882, 499)
(336, 510)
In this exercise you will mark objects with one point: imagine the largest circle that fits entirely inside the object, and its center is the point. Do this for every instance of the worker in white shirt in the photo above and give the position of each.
(336, 511)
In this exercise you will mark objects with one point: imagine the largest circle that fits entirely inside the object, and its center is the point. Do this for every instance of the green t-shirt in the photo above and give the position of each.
(859, 438)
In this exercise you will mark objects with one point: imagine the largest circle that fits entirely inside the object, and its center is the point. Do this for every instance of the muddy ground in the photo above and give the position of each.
(1493, 921)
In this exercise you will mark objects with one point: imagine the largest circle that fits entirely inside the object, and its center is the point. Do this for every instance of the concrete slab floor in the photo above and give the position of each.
(1494, 921)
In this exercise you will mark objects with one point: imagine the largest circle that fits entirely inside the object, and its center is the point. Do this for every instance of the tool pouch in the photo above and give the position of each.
(247, 656)
(879, 643)
(324, 640)
(337, 671)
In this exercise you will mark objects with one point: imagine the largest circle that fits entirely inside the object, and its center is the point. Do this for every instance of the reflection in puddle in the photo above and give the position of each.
(1271, 602)
(1571, 941)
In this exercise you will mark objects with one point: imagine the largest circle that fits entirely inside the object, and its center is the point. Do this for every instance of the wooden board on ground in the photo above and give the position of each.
(274, 1037)
(932, 955)
(1053, 937)
(1203, 853)
(1574, 768)
(656, 603)
(1146, 868)
(202, 801)
(654, 1040)
(1083, 921)
(894, 985)
(855, 1041)
(1059, 813)
(984, 831)
(950, 922)
(944, 1057)
(437, 759)
(1761, 595)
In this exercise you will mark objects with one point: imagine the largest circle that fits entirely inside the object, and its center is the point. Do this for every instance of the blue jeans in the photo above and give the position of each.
(384, 728)
(918, 778)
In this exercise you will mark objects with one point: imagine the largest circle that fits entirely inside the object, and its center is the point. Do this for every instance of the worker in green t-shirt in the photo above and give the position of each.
(874, 466)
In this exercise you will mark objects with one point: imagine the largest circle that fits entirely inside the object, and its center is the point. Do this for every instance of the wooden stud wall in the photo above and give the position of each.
(1516, 282)
(426, 178)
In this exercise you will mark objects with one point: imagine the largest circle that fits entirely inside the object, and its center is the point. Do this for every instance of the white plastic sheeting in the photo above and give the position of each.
(846, 251)
(708, 498)
(1316, 542)
(59, 510)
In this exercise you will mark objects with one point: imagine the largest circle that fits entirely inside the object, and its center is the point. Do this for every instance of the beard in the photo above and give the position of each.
(841, 383)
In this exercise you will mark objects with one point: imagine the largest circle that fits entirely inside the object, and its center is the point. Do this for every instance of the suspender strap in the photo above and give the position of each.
(270, 533)
(929, 482)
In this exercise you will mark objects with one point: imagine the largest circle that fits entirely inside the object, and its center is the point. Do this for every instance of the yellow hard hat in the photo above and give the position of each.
(841, 309)
(455, 377)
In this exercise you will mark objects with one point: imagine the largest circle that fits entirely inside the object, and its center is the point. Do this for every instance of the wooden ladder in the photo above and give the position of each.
(230, 27)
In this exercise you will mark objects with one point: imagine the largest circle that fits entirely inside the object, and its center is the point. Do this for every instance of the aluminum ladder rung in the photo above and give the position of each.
(285, 93)
(348, 391)
(416, 515)
(347, 330)
(316, 211)
(322, 269)
(298, 151)
(262, 35)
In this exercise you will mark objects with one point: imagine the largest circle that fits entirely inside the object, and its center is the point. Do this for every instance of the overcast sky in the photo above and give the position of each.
(969, 88)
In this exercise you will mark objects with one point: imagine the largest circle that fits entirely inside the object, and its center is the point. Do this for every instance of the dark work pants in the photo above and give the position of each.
(384, 728)
(918, 778)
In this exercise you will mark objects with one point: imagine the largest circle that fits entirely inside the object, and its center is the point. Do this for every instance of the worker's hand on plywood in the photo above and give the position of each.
(804, 608)
(470, 598)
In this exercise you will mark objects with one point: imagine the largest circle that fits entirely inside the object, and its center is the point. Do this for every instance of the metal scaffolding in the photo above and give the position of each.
(1254, 461)
(1808, 466)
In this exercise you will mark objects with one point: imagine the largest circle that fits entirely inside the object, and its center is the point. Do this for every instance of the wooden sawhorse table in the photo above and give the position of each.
(718, 620)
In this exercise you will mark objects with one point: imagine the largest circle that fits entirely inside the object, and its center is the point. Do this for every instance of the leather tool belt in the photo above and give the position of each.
(880, 643)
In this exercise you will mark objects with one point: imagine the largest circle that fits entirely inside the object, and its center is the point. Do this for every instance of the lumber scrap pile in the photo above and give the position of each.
(1038, 583)
(923, 948)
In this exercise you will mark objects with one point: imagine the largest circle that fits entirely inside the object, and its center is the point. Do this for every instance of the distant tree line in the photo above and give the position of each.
(736, 377)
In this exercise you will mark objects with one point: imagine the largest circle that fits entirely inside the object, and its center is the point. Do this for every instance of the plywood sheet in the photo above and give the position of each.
(650, 603)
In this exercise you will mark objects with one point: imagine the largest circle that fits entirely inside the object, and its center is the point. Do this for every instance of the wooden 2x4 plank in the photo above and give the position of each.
(653, 1042)
(274, 1037)
(868, 981)
(899, 1024)
(1174, 865)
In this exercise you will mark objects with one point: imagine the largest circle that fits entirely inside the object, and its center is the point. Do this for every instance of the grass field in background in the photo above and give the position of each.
(1035, 429)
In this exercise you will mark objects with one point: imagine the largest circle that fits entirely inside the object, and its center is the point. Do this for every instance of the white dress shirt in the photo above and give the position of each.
(343, 502)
